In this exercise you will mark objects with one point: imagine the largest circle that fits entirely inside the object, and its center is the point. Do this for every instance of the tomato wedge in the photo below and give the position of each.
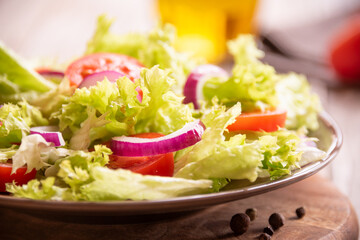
(98, 62)
(19, 176)
(159, 165)
(268, 121)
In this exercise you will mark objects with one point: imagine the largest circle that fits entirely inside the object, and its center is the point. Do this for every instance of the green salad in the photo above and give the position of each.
(133, 119)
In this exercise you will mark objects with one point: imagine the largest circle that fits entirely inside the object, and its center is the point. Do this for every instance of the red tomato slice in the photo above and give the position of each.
(268, 121)
(345, 51)
(160, 165)
(98, 62)
(19, 176)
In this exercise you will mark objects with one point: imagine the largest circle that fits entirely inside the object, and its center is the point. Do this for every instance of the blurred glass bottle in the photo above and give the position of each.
(204, 26)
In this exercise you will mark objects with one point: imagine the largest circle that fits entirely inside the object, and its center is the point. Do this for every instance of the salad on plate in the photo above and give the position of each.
(133, 119)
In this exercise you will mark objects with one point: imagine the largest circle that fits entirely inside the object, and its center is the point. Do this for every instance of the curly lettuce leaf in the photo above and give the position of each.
(154, 48)
(100, 112)
(112, 109)
(36, 153)
(293, 91)
(244, 50)
(252, 83)
(164, 112)
(16, 121)
(281, 153)
(216, 157)
(38, 189)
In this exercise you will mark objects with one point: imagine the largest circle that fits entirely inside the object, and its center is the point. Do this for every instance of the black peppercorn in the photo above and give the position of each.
(251, 212)
(240, 223)
(276, 220)
(300, 212)
(268, 230)
(264, 236)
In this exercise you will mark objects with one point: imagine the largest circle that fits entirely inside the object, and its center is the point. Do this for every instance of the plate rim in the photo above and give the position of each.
(180, 204)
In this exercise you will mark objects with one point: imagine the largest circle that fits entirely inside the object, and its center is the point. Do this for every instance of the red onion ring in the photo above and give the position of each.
(195, 82)
(50, 134)
(136, 147)
(50, 73)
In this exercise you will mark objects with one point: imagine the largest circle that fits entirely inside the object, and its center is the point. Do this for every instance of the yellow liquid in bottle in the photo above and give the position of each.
(203, 27)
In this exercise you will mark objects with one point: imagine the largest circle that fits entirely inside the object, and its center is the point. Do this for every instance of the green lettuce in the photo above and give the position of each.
(252, 83)
(154, 48)
(52, 101)
(112, 109)
(18, 80)
(280, 150)
(38, 189)
(293, 92)
(7, 153)
(16, 121)
(36, 153)
(82, 176)
(244, 50)
(123, 184)
(216, 157)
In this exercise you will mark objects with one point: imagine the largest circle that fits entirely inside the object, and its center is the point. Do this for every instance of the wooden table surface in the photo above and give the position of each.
(48, 28)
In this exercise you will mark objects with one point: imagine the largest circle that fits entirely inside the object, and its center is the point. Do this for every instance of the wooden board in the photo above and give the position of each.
(329, 215)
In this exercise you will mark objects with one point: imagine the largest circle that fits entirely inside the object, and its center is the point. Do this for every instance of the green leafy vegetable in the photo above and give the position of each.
(302, 106)
(18, 73)
(155, 48)
(16, 121)
(123, 184)
(109, 109)
(280, 151)
(84, 177)
(252, 83)
(214, 157)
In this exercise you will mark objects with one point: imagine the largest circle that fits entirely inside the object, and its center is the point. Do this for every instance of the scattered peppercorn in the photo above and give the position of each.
(276, 220)
(300, 212)
(264, 236)
(240, 223)
(251, 212)
(268, 230)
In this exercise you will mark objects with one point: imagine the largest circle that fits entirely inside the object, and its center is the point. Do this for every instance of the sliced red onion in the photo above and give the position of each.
(136, 147)
(92, 79)
(51, 73)
(195, 82)
(50, 134)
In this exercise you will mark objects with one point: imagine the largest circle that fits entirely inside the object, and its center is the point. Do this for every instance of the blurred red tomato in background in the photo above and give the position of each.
(345, 51)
